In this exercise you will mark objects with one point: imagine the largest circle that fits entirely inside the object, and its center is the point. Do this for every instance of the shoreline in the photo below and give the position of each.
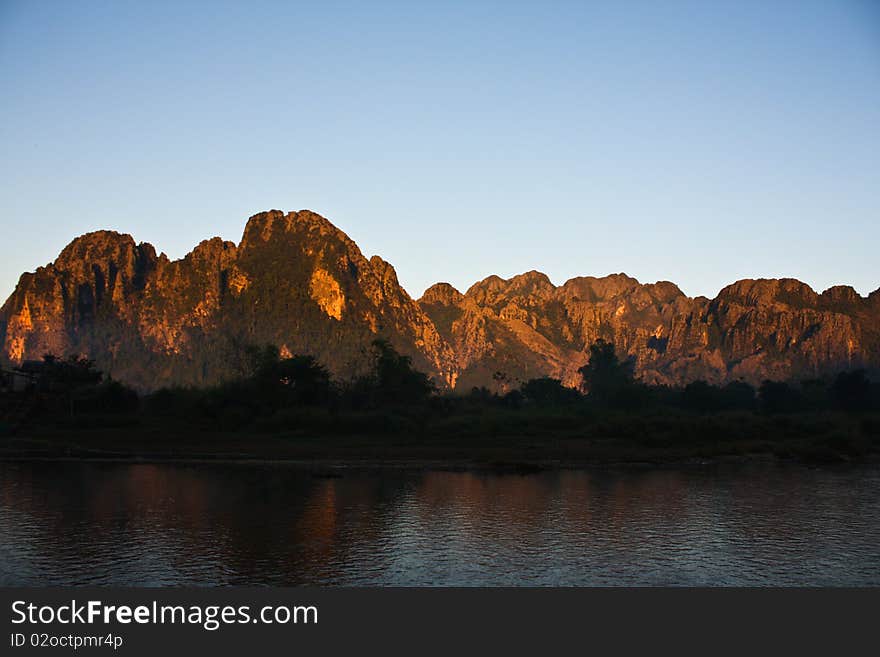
(515, 457)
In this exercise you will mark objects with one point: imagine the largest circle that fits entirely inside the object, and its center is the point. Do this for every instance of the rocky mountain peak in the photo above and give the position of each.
(95, 247)
(443, 294)
(841, 294)
(302, 226)
(766, 291)
(590, 288)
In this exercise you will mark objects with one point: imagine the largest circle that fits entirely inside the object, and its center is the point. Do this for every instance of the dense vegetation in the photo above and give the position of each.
(612, 415)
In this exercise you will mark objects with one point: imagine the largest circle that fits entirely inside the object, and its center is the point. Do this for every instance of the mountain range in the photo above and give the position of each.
(298, 282)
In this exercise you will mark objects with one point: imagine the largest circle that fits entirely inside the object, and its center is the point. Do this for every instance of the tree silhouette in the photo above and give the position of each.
(546, 391)
(851, 391)
(605, 375)
(69, 376)
(298, 380)
(394, 379)
(779, 397)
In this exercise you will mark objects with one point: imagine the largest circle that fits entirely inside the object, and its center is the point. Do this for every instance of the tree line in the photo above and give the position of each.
(271, 386)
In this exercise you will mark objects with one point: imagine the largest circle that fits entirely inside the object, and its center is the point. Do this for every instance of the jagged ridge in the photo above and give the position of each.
(297, 281)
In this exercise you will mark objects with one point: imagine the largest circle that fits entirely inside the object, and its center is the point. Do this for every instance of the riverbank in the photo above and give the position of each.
(521, 453)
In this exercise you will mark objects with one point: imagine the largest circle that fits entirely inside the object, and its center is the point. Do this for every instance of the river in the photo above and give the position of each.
(78, 523)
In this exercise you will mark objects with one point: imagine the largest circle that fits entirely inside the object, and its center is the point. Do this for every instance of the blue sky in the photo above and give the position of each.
(698, 142)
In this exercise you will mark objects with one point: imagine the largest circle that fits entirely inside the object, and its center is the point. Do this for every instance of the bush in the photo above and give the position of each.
(779, 397)
(548, 392)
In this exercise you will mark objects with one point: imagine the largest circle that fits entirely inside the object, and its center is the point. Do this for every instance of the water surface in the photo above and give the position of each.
(210, 524)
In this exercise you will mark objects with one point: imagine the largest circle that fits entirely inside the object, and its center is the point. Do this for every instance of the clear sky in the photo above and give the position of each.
(698, 142)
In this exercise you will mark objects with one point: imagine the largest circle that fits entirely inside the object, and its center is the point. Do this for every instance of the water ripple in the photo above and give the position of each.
(163, 525)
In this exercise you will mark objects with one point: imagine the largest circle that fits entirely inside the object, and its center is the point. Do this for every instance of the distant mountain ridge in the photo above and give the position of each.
(297, 281)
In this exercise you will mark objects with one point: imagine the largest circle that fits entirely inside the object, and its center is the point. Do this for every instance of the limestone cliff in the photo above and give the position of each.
(297, 281)
(506, 331)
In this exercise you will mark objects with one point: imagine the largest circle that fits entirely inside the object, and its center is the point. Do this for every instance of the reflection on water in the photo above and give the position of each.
(161, 524)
